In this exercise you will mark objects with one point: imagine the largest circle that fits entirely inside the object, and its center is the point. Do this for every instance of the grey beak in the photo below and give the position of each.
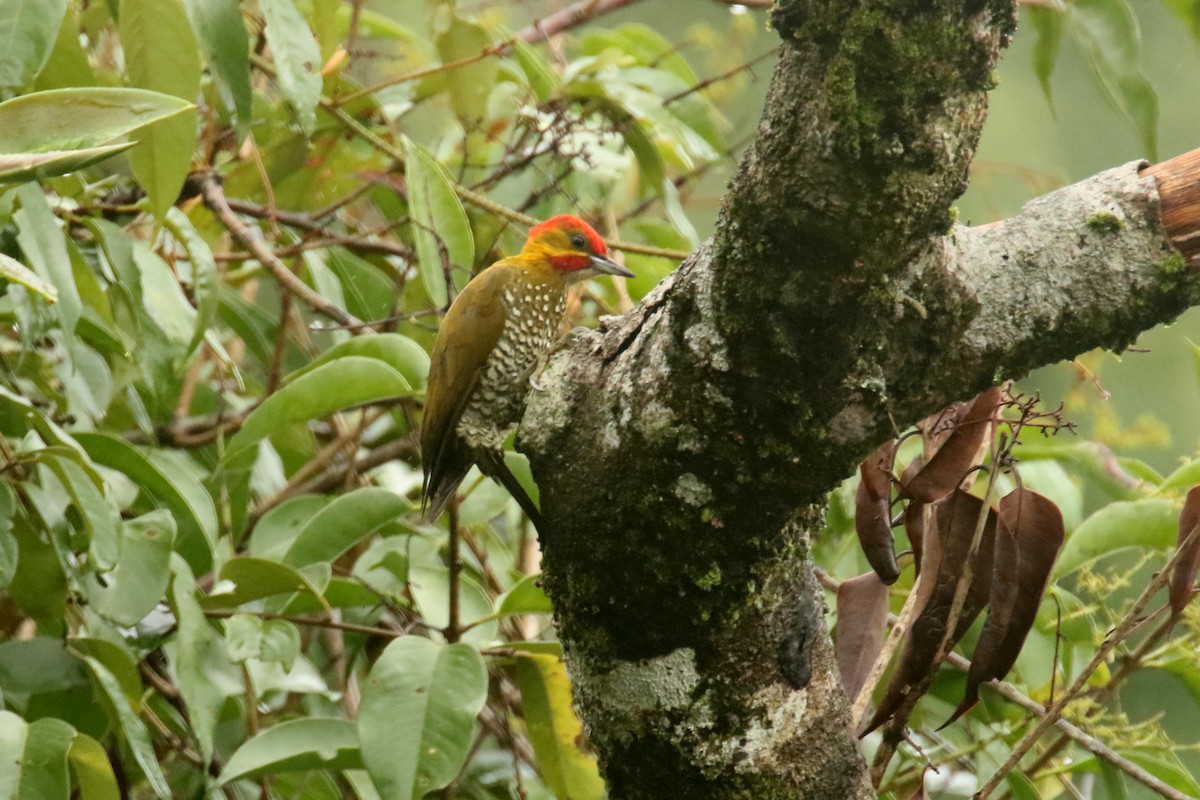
(609, 267)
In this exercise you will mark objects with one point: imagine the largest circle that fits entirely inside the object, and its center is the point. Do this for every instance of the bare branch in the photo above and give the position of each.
(214, 198)
(573, 15)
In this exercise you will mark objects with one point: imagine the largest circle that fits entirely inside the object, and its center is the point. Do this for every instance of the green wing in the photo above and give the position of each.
(466, 338)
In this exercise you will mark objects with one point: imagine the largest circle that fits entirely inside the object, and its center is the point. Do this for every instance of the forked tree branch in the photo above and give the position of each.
(684, 450)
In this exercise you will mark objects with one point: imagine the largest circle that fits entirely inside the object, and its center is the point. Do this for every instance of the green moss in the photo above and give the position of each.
(1105, 222)
(711, 579)
(1173, 263)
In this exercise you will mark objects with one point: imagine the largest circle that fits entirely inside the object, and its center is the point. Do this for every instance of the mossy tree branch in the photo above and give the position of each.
(684, 450)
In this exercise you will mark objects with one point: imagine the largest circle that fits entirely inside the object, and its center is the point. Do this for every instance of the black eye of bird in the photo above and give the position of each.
(579, 241)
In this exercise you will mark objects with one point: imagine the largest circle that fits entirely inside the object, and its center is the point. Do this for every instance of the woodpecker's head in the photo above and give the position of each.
(572, 248)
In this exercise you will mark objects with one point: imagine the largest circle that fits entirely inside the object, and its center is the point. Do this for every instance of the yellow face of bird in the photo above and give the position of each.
(571, 249)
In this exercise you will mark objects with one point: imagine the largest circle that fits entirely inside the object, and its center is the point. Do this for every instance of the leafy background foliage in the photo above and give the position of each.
(215, 581)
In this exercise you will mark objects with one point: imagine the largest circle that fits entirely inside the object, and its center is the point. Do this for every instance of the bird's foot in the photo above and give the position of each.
(537, 371)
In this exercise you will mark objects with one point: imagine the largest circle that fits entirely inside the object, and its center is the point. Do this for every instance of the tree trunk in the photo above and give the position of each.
(684, 451)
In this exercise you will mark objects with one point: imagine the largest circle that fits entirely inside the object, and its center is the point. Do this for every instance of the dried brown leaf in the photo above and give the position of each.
(862, 609)
(1029, 535)
(914, 515)
(956, 517)
(947, 467)
(1183, 579)
(872, 512)
(936, 428)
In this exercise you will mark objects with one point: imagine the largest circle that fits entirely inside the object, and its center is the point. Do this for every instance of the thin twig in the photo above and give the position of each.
(1069, 731)
(1088, 742)
(425, 72)
(1104, 693)
(1118, 635)
(315, 622)
(275, 372)
(214, 198)
(475, 198)
(704, 84)
(317, 463)
(761, 5)
(569, 17)
(405, 448)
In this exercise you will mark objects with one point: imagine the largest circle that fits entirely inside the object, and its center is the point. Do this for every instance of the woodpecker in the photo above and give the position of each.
(489, 344)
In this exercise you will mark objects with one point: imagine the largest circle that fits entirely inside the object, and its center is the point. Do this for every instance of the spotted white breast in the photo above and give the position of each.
(533, 319)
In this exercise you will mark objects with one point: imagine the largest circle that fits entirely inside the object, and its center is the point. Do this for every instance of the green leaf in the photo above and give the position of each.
(1049, 22)
(1118, 526)
(272, 640)
(439, 221)
(438, 691)
(429, 585)
(20, 167)
(198, 661)
(471, 84)
(92, 769)
(220, 28)
(1097, 464)
(139, 581)
(325, 25)
(117, 659)
(639, 141)
(13, 732)
(44, 773)
(314, 743)
(136, 735)
(1188, 12)
(100, 518)
(280, 643)
(369, 294)
(344, 522)
(157, 473)
(9, 550)
(204, 273)
(1107, 31)
(280, 526)
(1184, 477)
(243, 637)
(28, 29)
(245, 579)
(198, 530)
(542, 78)
(42, 242)
(1166, 766)
(297, 58)
(554, 729)
(398, 352)
(1021, 787)
(345, 383)
(39, 588)
(651, 49)
(526, 597)
(1113, 781)
(163, 300)
(68, 63)
(80, 118)
(37, 668)
(161, 53)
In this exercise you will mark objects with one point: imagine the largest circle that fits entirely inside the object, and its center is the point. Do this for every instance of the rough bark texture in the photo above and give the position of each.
(683, 451)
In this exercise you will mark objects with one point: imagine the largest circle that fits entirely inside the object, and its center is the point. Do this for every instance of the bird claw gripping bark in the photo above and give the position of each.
(538, 368)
